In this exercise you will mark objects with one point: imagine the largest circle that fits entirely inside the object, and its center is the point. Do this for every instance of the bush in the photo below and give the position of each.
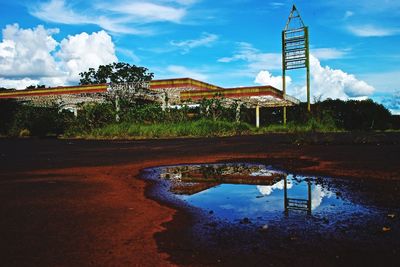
(8, 109)
(39, 121)
(93, 115)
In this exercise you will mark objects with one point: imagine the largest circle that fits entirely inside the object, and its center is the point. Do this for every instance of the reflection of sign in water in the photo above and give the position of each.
(297, 203)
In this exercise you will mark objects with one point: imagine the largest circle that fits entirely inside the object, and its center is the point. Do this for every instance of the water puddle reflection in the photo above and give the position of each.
(258, 194)
(254, 209)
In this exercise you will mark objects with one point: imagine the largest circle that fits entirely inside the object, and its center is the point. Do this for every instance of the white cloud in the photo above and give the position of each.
(183, 2)
(348, 14)
(129, 53)
(383, 81)
(264, 77)
(18, 83)
(372, 31)
(277, 4)
(27, 52)
(149, 12)
(317, 195)
(267, 190)
(120, 26)
(325, 83)
(206, 39)
(33, 56)
(181, 71)
(122, 17)
(332, 83)
(335, 83)
(58, 11)
(256, 60)
(83, 51)
(329, 53)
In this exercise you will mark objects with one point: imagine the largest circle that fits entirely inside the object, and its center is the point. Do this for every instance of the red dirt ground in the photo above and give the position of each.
(80, 203)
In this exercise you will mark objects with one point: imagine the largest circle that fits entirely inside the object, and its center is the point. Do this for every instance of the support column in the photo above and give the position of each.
(117, 108)
(164, 102)
(284, 116)
(238, 112)
(258, 116)
(308, 69)
(284, 75)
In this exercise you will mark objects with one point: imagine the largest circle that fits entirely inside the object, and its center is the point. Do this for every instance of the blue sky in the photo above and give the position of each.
(354, 44)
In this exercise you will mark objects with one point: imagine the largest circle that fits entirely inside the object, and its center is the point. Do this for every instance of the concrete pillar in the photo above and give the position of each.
(164, 104)
(117, 108)
(284, 116)
(258, 116)
(238, 112)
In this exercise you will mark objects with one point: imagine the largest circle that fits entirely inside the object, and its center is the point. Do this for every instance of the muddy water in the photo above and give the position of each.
(252, 209)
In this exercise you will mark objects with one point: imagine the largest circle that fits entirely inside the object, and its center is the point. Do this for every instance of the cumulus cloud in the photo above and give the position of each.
(317, 195)
(335, 83)
(325, 83)
(267, 190)
(18, 83)
(83, 51)
(33, 56)
(206, 39)
(27, 52)
(264, 77)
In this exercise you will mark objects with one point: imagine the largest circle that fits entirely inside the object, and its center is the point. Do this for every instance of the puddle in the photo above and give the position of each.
(258, 194)
(248, 208)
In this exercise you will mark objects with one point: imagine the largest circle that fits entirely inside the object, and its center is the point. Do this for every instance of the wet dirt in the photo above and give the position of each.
(235, 224)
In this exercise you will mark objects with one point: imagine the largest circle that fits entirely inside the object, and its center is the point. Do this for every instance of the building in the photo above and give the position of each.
(168, 92)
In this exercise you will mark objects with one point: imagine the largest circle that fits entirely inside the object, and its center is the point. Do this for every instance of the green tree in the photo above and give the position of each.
(212, 107)
(115, 73)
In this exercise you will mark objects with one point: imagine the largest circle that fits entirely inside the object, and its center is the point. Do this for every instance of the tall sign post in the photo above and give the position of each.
(295, 51)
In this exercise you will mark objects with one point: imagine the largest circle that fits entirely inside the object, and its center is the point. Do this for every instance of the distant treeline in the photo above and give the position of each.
(350, 115)
(19, 119)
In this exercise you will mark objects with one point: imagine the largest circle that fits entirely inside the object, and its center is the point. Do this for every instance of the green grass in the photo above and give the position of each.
(310, 126)
(200, 128)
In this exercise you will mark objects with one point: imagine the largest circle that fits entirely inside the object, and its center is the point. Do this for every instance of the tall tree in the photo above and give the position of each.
(115, 73)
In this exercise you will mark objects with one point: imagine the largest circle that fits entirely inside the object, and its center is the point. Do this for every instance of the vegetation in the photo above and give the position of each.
(115, 73)
(148, 120)
(202, 127)
(141, 119)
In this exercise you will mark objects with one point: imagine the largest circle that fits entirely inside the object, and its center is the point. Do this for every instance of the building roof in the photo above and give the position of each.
(65, 90)
(189, 90)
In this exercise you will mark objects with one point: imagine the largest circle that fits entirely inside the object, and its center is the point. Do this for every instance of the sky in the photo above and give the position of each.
(353, 44)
